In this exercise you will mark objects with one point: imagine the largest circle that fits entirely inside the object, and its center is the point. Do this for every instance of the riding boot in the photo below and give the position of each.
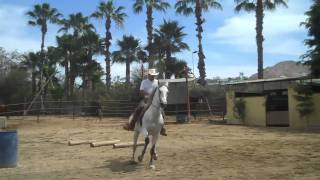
(136, 115)
(163, 132)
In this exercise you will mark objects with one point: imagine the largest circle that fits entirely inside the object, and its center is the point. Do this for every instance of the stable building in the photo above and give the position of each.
(272, 102)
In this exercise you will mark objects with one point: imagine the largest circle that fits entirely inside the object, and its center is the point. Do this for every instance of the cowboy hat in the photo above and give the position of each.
(153, 72)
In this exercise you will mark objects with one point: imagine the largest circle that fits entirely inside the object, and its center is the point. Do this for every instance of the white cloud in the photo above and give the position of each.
(15, 33)
(280, 29)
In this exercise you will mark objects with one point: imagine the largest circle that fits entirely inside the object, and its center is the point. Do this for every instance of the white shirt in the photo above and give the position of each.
(148, 86)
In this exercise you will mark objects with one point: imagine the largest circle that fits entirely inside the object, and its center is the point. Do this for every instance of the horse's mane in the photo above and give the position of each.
(149, 102)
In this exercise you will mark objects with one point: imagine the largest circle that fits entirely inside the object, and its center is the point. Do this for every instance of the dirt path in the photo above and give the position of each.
(191, 151)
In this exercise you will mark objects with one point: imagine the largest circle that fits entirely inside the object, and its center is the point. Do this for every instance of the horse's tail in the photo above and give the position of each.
(130, 118)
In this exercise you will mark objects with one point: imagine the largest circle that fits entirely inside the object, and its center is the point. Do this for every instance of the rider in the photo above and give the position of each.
(146, 88)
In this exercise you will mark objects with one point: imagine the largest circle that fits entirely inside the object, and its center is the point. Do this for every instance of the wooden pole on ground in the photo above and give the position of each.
(125, 145)
(104, 143)
(79, 142)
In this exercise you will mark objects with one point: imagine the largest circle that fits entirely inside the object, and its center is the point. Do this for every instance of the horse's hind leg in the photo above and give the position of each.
(146, 140)
(135, 139)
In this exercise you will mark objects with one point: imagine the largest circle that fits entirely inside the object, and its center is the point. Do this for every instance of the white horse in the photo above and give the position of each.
(152, 123)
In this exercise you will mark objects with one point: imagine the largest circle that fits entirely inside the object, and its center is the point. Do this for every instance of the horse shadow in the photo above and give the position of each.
(122, 165)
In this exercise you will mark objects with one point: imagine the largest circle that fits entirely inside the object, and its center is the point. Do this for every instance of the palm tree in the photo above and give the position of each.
(90, 45)
(188, 7)
(66, 46)
(78, 23)
(109, 12)
(50, 68)
(40, 16)
(169, 38)
(130, 51)
(80, 26)
(32, 61)
(259, 6)
(159, 5)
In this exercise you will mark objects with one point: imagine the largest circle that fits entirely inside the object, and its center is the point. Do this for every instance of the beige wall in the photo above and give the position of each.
(312, 121)
(231, 116)
(255, 111)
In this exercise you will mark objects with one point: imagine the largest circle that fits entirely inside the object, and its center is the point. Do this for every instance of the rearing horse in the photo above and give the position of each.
(151, 124)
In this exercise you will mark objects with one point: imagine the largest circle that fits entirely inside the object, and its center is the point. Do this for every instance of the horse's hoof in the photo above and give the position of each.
(155, 157)
(140, 158)
(153, 167)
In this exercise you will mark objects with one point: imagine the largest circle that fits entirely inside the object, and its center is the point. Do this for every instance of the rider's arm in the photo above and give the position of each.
(142, 92)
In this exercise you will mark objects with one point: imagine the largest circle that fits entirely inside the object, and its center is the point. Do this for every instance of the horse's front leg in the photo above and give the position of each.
(146, 142)
(135, 139)
(153, 154)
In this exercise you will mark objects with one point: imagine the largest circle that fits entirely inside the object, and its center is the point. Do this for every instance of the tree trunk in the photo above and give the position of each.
(167, 61)
(149, 26)
(46, 87)
(199, 22)
(66, 79)
(259, 37)
(34, 86)
(72, 80)
(107, 52)
(128, 72)
(42, 56)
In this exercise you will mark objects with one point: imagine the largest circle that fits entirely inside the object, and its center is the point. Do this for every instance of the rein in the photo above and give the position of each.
(159, 106)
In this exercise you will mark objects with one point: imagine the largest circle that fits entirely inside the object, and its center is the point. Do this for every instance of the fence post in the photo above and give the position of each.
(38, 118)
(60, 107)
(72, 110)
(24, 107)
(188, 97)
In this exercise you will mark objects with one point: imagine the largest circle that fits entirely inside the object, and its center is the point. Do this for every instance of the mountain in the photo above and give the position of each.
(284, 69)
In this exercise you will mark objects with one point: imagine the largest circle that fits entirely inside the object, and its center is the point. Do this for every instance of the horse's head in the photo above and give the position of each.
(163, 94)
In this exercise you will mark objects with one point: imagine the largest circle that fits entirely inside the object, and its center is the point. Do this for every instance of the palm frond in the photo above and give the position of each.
(32, 23)
(272, 4)
(138, 6)
(245, 5)
(183, 7)
(161, 6)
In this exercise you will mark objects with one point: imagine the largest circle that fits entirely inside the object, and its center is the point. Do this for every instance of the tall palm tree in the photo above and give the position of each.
(170, 38)
(160, 5)
(66, 46)
(130, 51)
(258, 6)
(40, 16)
(197, 7)
(80, 26)
(109, 12)
(90, 45)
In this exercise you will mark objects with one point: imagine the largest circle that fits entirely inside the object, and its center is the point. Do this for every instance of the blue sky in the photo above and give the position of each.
(228, 38)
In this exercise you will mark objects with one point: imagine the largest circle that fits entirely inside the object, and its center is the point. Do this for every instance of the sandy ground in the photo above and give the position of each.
(191, 151)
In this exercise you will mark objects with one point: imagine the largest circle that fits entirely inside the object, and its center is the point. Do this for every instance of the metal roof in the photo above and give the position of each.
(176, 80)
(267, 80)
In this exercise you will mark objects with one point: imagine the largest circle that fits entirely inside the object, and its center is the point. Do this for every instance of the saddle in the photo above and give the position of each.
(141, 110)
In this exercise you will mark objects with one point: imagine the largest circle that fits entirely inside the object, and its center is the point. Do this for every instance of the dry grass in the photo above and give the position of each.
(191, 151)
